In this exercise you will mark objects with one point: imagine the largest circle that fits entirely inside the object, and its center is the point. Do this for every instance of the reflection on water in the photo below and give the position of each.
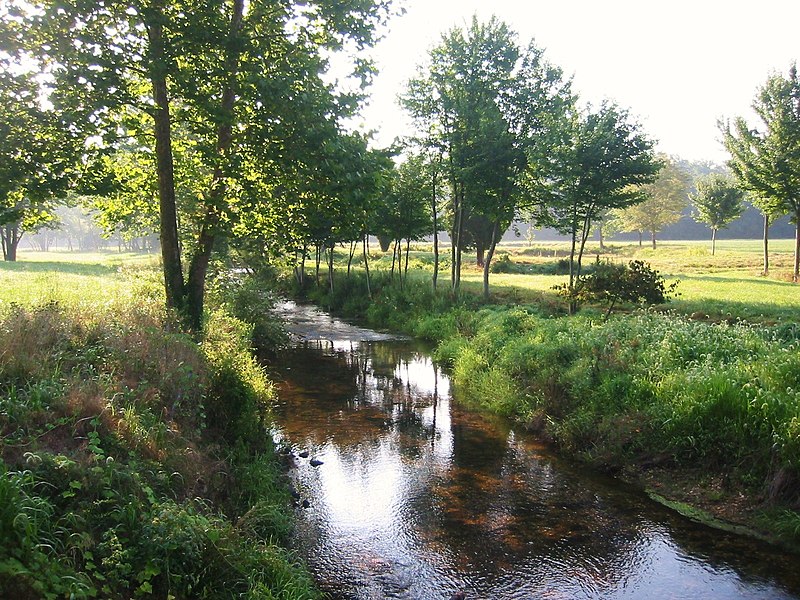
(418, 497)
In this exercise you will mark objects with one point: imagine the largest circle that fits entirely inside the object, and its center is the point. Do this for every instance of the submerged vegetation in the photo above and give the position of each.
(135, 461)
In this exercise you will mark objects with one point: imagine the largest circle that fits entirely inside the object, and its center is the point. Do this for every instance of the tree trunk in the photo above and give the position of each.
(303, 257)
(10, 237)
(408, 248)
(480, 253)
(394, 256)
(170, 246)
(319, 259)
(653, 238)
(796, 273)
(602, 239)
(488, 262)
(353, 246)
(641, 233)
(573, 306)
(198, 268)
(435, 229)
(459, 240)
(766, 244)
(366, 264)
(713, 241)
(330, 269)
(584, 237)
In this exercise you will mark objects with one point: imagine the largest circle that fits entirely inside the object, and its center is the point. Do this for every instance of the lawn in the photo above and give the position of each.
(74, 277)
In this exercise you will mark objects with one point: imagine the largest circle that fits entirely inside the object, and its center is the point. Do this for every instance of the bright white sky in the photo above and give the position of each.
(678, 66)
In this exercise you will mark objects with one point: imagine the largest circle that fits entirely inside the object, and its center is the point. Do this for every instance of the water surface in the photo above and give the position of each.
(419, 497)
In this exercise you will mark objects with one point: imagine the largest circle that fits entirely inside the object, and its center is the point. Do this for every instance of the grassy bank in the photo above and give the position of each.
(135, 461)
(706, 412)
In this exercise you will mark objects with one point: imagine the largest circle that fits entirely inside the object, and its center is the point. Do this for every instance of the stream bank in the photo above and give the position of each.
(417, 496)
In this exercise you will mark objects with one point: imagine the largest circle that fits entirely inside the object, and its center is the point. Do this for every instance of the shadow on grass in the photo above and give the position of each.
(715, 278)
(756, 312)
(58, 267)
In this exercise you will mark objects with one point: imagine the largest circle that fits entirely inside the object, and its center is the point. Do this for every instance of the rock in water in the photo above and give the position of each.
(315, 463)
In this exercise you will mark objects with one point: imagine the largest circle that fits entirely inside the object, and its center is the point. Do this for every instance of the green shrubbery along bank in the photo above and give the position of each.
(642, 390)
(136, 461)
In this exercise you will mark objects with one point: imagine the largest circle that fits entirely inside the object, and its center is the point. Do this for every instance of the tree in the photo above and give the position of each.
(37, 157)
(766, 161)
(604, 163)
(666, 197)
(238, 81)
(718, 201)
(403, 213)
(483, 102)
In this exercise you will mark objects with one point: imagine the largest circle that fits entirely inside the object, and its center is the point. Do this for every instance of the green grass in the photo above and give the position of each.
(88, 279)
(134, 461)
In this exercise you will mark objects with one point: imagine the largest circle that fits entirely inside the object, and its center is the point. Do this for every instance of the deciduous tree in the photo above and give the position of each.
(604, 162)
(239, 80)
(718, 202)
(38, 156)
(665, 199)
(484, 102)
(766, 159)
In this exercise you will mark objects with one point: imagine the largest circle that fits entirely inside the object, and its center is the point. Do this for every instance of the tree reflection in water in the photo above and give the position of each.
(419, 496)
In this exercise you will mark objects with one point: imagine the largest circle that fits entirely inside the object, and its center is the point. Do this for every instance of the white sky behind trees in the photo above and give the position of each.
(678, 66)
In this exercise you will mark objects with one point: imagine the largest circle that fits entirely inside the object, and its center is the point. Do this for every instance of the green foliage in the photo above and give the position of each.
(718, 201)
(250, 299)
(610, 283)
(665, 199)
(641, 386)
(765, 159)
(116, 480)
(489, 107)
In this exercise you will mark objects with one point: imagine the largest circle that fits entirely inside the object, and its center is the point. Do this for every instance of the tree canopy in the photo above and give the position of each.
(718, 201)
(766, 159)
(603, 163)
(38, 156)
(234, 88)
(663, 204)
(489, 105)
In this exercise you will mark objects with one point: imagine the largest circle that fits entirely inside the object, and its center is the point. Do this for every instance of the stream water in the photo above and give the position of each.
(419, 497)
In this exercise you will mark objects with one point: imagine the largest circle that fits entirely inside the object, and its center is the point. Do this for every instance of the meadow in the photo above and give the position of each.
(728, 285)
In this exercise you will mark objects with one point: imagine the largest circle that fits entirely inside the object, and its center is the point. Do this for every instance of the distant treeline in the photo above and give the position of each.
(749, 226)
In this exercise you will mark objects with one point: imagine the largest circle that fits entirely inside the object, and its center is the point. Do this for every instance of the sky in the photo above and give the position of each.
(677, 66)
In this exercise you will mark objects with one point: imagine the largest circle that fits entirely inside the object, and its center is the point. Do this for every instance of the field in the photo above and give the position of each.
(133, 460)
(73, 278)
(726, 285)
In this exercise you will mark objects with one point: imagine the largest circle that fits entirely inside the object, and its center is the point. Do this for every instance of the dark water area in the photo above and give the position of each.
(418, 497)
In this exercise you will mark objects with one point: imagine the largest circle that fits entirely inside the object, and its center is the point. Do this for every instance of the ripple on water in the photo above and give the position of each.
(419, 497)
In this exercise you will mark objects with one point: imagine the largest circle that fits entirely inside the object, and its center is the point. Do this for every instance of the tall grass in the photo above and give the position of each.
(644, 387)
(136, 461)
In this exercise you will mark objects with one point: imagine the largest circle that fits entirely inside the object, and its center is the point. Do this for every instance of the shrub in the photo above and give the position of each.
(609, 283)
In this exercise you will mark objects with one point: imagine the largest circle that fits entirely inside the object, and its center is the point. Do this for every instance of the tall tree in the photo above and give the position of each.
(38, 156)
(665, 199)
(604, 162)
(717, 203)
(483, 100)
(766, 160)
(240, 79)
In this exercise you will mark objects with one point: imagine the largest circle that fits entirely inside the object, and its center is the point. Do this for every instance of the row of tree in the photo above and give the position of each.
(217, 125)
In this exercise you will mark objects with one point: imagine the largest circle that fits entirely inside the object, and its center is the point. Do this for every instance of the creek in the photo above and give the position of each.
(419, 496)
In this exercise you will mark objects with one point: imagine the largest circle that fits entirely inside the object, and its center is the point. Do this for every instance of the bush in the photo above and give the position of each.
(609, 283)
